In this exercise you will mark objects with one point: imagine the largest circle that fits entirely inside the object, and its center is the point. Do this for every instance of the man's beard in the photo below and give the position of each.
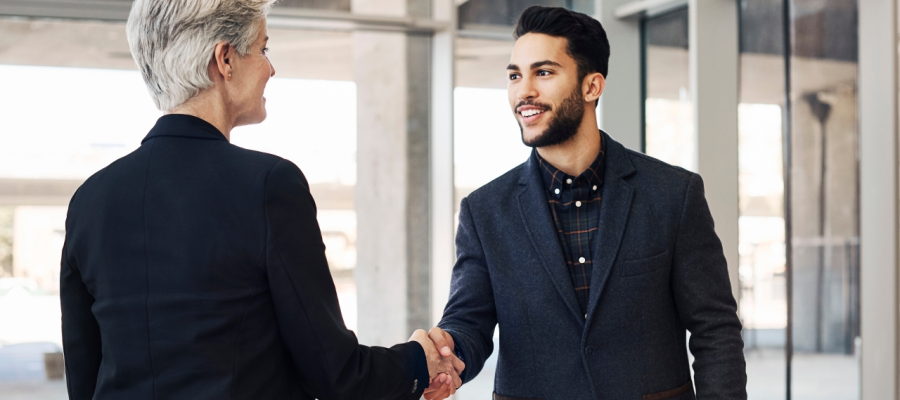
(564, 124)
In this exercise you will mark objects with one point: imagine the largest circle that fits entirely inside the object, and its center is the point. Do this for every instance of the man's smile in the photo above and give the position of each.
(530, 114)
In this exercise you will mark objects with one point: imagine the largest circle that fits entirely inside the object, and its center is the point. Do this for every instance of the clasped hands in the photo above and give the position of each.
(443, 365)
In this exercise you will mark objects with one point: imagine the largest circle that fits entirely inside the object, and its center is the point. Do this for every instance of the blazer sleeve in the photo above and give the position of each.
(80, 332)
(703, 297)
(470, 315)
(329, 359)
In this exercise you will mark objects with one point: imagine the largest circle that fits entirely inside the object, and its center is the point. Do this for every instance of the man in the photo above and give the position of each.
(593, 259)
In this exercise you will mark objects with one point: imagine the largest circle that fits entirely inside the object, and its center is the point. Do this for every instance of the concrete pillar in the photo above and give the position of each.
(443, 253)
(392, 192)
(621, 109)
(713, 54)
(879, 199)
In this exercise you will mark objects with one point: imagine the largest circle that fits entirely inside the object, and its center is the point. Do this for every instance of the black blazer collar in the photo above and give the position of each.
(187, 126)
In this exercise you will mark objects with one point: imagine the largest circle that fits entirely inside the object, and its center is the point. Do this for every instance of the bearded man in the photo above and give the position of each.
(593, 259)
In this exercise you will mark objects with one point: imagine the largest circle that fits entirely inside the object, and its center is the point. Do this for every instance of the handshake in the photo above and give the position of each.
(443, 365)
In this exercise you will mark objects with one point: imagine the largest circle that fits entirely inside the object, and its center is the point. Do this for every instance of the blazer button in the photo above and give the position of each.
(589, 350)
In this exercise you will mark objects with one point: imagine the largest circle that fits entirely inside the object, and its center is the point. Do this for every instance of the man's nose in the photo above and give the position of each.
(527, 89)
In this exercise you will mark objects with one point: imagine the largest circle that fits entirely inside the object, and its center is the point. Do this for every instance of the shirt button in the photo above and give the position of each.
(577, 204)
(581, 260)
(569, 181)
(589, 350)
(556, 191)
(595, 187)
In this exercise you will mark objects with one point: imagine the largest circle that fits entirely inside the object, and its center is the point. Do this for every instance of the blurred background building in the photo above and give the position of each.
(396, 109)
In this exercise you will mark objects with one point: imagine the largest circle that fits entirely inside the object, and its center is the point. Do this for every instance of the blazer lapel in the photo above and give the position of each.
(614, 212)
(539, 224)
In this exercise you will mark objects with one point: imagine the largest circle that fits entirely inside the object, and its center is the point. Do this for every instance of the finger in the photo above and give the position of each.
(458, 364)
(438, 393)
(457, 381)
(442, 393)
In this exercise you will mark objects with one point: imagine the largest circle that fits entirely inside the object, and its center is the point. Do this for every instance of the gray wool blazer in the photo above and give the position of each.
(660, 272)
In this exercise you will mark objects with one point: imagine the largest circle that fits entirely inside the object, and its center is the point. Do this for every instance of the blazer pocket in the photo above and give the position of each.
(644, 265)
(683, 392)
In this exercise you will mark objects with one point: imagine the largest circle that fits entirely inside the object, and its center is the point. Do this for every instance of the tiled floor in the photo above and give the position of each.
(33, 390)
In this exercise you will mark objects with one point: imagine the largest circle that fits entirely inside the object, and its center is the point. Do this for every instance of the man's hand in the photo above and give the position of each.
(444, 343)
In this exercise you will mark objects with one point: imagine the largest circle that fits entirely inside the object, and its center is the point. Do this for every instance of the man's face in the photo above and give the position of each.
(544, 90)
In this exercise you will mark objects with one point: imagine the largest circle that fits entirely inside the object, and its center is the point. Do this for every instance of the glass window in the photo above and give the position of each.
(761, 224)
(669, 127)
(821, 237)
(824, 199)
(500, 15)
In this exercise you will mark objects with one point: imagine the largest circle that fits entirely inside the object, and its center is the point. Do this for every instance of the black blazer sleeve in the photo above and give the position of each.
(330, 361)
(80, 332)
(470, 315)
(705, 303)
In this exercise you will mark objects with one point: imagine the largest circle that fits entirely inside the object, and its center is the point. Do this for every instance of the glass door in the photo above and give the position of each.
(798, 184)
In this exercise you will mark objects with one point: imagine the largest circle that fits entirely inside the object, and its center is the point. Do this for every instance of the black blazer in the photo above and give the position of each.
(195, 269)
(659, 270)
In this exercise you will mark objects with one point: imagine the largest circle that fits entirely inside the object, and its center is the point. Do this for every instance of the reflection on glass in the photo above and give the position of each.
(669, 127)
(825, 199)
(761, 243)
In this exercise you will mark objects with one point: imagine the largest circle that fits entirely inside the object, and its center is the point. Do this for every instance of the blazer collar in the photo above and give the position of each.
(614, 213)
(535, 214)
(618, 164)
(186, 126)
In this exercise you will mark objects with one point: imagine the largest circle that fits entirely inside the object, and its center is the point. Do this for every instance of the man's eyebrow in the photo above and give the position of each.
(513, 67)
(545, 63)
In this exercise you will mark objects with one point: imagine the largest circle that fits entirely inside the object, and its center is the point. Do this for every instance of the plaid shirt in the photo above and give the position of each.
(575, 206)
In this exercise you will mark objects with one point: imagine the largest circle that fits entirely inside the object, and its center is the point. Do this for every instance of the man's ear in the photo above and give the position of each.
(223, 57)
(593, 86)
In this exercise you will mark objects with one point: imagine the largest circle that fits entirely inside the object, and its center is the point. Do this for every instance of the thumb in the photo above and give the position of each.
(438, 337)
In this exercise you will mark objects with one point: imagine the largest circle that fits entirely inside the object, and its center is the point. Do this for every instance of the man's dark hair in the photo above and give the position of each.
(587, 42)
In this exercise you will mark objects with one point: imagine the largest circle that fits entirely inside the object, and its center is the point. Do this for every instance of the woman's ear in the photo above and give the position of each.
(593, 86)
(223, 55)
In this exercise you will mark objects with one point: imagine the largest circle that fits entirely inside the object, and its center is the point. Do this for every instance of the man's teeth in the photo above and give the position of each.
(528, 113)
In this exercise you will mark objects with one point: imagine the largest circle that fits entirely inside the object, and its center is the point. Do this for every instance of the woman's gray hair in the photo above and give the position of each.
(173, 41)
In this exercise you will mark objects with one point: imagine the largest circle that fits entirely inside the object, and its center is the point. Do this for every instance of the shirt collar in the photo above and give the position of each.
(556, 181)
(187, 126)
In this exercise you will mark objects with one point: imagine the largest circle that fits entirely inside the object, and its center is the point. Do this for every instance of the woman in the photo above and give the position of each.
(195, 269)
